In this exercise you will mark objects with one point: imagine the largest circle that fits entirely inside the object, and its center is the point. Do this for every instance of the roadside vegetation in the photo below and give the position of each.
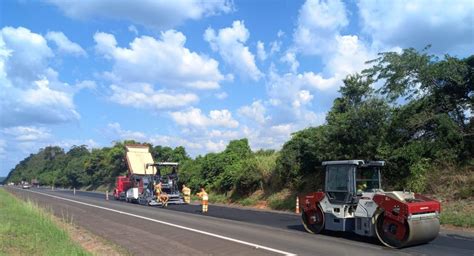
(411, 109)
(26, 229)
(458, 213)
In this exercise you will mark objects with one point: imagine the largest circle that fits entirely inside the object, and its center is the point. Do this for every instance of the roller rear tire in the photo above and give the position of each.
(313, 220)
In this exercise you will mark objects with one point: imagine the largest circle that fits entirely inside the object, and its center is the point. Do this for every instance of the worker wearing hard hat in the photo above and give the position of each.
(204, 199)
(161, 195)
(187, 194)
(361, 187)
(361, 182)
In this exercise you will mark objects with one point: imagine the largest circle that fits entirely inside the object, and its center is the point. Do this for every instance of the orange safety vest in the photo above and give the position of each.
(203, 195)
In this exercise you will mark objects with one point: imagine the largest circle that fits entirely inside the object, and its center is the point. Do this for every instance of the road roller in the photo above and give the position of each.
(353, 201)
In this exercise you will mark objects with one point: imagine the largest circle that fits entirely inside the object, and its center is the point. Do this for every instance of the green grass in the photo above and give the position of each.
(283, 200)
(218, 198)
(25, 229)
(248, 201)
(252, 200)
(458, 213)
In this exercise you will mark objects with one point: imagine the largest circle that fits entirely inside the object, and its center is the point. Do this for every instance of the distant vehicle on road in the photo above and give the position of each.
(26, 186)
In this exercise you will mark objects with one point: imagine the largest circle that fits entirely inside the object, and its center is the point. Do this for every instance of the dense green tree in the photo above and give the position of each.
(357, 121)
(430, 126)
(75, 171)
(248, 177)
(301, 157)
(191, 174)
(420, 117)
(167, 154)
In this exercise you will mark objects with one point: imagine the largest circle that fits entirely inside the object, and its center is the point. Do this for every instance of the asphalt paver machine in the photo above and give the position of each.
(138, 186)
(353, 201)
(167, 174)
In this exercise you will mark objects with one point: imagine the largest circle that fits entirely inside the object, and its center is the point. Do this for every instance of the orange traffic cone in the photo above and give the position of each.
(297, 204)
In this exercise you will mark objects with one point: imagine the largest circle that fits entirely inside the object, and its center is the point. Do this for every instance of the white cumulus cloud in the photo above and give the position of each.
(64, 44)
(290, 98)
(290, 59)
(230, 43)
(3, 146)
(221, 95)
(195, 118)
(30, 91)
(27, 133)
(212, 146)
(86, 84)
(446, 25)
(165, 61)
(318, 32)
(144, 96)
(261, 53)
(159, 14)
(117, 130)
(223, 134)
(26, 54)
(255, 112)
(319, 21)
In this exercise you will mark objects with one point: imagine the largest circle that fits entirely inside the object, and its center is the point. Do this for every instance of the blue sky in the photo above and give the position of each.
(195, 73)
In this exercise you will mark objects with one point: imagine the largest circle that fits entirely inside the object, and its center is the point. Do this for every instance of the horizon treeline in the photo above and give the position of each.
(410, 108)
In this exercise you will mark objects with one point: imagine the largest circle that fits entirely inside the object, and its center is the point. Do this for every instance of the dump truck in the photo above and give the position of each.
(353, 201)
(143, 173)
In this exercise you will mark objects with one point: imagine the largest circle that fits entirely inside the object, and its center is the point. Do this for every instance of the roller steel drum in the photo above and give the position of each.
(419, 229)
(313, 220)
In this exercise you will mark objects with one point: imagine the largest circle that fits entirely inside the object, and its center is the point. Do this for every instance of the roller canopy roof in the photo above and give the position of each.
(356, 162)
(139, 160)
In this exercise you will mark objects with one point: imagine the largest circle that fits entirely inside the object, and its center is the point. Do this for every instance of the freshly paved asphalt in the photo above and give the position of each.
(282, 232)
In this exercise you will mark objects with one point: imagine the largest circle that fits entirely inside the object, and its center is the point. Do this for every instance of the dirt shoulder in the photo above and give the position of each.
(92, 243)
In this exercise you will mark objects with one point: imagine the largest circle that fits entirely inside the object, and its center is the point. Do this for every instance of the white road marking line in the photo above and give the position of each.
(256, 246)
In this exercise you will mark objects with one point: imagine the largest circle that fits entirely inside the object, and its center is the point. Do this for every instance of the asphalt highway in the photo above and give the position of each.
(183, 230)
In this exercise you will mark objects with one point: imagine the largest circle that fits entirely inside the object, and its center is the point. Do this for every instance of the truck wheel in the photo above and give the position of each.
(313, 220)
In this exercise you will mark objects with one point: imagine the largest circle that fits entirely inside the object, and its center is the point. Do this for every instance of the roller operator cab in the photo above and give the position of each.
(353, 201)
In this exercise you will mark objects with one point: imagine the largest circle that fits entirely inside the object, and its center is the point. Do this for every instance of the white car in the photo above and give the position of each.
(26, 186)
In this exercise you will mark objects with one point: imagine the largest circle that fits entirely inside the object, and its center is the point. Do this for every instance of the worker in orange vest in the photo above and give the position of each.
(161, 195)
(187, 194)
(204, 199)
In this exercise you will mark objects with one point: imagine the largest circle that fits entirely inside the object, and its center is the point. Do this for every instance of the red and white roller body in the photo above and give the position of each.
(396, 218)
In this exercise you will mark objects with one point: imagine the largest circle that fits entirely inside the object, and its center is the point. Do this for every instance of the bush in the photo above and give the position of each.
(417, 180)
(466, 192)
(249, 178)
